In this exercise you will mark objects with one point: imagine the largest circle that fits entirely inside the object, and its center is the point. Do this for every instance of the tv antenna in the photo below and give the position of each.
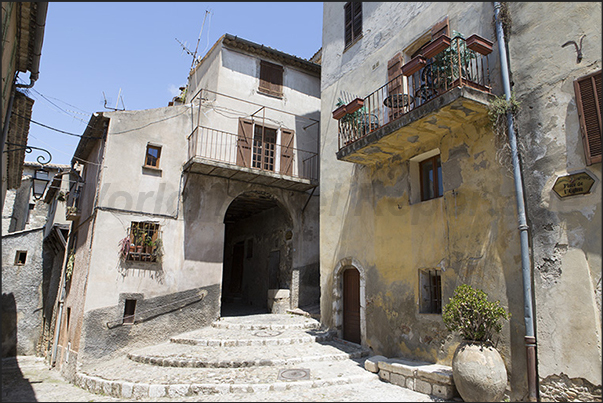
(194, 54)
(116, 103)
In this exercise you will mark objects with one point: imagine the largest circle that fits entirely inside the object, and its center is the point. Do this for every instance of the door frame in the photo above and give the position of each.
(342, 265)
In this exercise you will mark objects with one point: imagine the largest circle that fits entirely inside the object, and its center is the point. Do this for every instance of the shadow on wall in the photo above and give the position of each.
(9, 325)
(15, 388)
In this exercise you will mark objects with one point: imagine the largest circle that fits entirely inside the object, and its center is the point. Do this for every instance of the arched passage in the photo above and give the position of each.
(257, 254)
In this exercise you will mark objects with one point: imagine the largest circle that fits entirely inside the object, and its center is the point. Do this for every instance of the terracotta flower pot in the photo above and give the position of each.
(479, 372)
(436, 46)
(354, 105)
(414, 65)
(479, 44)
(339, 112)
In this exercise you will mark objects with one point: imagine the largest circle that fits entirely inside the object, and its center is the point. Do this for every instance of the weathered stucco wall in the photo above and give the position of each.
(22, 293)
(370, 214)
(566, 232)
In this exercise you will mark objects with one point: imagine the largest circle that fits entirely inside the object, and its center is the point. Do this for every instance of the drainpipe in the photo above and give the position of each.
(37, 48)
(530, 339)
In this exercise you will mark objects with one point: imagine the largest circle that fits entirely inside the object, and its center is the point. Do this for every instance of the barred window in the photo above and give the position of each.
(145, 241)
(430, 284)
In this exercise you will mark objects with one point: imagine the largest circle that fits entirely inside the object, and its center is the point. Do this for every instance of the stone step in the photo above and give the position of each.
(217, 337)
(205, 356)
(268, 321)
(123, 378)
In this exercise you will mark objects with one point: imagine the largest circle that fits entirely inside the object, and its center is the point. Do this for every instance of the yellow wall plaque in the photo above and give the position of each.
(575, 184)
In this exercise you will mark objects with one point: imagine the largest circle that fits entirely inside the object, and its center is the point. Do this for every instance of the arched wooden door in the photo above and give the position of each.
(351, 305)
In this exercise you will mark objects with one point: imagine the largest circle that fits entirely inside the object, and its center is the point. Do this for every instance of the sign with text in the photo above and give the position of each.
(575, 184)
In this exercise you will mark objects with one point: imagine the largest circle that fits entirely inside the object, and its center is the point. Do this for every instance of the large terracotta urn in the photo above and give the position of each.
(479, 372)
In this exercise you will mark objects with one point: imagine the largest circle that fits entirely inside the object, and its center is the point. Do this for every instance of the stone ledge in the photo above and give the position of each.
(423, 377)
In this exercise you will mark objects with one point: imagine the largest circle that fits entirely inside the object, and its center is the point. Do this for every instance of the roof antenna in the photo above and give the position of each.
(194, 55)
(116, 103)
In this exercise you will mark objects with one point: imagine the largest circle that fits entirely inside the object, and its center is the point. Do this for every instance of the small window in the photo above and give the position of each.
(68, 318)
(152, 156)
(589, 100)
(129, 309)
(20, 257)
(431, 178)
(271, 79)
(430, 283)
(145, 242)
(353, 22)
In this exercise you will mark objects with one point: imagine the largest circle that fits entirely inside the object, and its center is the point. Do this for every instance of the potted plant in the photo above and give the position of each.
(148, 245)
(340, 111)
(124, 248)
(415, 64)
(478, 370)
(479, 44)
(353, 106)
(138, 241)
(436, 46)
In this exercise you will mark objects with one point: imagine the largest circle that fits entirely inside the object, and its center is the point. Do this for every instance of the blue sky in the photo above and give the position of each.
(91, 48)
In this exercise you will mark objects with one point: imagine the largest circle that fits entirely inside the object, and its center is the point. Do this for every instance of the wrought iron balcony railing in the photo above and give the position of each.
(422, 80)
(264, 156)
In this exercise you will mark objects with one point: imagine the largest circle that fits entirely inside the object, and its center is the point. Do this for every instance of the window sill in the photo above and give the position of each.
(270, 95)
(149, 170)
(351, 44)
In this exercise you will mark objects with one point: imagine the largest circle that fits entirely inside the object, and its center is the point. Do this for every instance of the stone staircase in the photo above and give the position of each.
(254, 353)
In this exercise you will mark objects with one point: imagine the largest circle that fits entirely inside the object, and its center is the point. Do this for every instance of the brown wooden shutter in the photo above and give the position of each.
(287, 152)
(394, 69)
(353, 21)
(440, 28)
(589, 101)
(271, 78)
(244, 142)
(347, 11)
(357, 15)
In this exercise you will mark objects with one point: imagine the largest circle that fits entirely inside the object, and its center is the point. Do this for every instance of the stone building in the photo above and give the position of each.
(179, 211)
(417, 187)
(32, 257)
(22, 37)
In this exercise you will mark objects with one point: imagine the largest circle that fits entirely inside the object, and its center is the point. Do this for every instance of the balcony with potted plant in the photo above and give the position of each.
(446, 83)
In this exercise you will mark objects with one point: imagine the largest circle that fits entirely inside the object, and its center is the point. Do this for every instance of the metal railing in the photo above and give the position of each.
(221, 146)
(456, 66)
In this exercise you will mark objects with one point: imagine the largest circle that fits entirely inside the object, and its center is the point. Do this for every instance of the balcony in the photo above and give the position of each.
(414, 110)
(228, 155)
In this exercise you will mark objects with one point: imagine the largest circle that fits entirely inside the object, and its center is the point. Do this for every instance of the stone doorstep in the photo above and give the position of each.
(423, 377)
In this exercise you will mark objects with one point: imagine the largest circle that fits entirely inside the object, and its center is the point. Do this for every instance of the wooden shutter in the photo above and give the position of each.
(440, 28)
(353, 21)
(271, 78)
(286, 152)
(394, 69)
(244, 142)
(589, 101)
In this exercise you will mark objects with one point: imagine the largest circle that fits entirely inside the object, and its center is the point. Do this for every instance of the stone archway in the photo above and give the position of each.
(344, 264)
(257, 255)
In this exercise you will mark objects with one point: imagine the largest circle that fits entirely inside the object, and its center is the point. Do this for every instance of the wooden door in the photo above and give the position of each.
(351, 305)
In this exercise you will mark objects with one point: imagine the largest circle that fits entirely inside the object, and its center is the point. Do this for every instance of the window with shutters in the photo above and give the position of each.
(589, 102)
(353, 22)
(271, 79)
(257, 147)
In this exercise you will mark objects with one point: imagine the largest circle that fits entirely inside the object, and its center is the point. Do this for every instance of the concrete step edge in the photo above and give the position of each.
(201, 363)
(130, 390)
(252, 342)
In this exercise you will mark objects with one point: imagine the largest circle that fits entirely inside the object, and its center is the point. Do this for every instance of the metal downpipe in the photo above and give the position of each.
(530, 339)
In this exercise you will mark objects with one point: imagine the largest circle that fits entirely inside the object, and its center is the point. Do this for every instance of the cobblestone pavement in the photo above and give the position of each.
(28, 379)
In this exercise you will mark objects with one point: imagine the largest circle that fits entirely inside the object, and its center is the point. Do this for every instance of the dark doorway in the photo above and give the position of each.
(254, 262)
(236, 271)
(351, 305)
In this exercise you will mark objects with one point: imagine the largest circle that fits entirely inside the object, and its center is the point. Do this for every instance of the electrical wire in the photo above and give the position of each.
(56, 130)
